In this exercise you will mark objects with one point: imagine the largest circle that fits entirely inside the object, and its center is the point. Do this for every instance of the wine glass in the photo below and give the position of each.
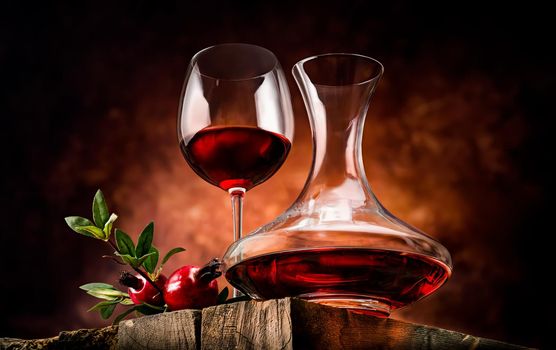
(235, 123)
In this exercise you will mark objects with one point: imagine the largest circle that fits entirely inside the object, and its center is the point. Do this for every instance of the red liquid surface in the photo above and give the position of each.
(391, 277)
(235, 156)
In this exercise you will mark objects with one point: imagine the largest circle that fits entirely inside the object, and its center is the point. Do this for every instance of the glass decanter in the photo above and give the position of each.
(337, 245)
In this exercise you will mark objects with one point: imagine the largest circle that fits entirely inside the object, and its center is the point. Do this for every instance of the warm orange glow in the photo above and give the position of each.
(430, 158)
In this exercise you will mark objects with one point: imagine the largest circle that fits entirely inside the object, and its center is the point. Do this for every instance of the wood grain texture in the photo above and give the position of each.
(101, 339)
(247, 325)
(172, 330)
(275, 324)
(323, 327)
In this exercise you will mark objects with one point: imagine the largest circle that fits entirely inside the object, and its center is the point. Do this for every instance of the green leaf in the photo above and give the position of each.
(151, 262)
(222, 296)
(108, 226)
(144, 258)
(107, 294)
(97, 285)
(133, 261)
(172, 252)
(101, 296)
(123, 315)
(103, 304)
(77, 221)
(126, 301)
(145, 240)
(93, 231)
(100, 210)
(106, 312)
(124, 243)
(128, 259)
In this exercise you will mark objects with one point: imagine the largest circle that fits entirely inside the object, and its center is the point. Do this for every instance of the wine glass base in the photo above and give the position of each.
(355, 303)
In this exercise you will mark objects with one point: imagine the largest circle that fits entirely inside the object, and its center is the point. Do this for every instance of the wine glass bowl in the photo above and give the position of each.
(235, 85)
(235, 122)
(238, 157)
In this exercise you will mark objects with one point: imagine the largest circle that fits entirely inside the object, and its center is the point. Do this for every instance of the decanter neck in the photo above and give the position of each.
(337, 117)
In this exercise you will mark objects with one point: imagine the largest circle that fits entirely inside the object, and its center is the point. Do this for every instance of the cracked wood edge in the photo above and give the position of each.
(96, 338)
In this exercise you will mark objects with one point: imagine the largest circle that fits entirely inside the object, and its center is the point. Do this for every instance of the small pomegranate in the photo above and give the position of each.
(140, 291)
(192, 287)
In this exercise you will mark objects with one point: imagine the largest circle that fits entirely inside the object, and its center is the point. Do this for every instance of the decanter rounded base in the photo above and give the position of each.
(360, 304)
(337, 245)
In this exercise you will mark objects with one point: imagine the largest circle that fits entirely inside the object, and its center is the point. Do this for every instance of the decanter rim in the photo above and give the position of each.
(300, 66)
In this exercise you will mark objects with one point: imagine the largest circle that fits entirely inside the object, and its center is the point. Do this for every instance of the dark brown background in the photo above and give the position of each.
(456, 143)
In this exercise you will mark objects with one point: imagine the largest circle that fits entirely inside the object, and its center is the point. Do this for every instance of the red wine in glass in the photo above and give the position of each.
(235, 121)
(235, 156)
(394, 278)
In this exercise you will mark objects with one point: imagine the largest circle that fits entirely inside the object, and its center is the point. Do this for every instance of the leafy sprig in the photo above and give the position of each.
(142, 258)
(101, 228)
(131, 255)
(112, 297)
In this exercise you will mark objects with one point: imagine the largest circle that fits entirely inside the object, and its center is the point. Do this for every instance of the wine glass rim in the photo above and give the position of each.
(300, 65)
(195, 58)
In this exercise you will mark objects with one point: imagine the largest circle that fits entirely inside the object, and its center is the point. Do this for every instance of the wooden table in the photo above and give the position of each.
(274, 324)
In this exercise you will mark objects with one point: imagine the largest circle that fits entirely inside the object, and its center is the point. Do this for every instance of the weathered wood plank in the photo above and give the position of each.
(99, 339)
(103, 338)
(323, 327)
(172, 330)
(274, 324)
(23, 344)
(247, 325)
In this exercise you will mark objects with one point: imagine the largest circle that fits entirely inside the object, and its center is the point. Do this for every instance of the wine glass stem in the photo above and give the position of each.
(236, 194)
